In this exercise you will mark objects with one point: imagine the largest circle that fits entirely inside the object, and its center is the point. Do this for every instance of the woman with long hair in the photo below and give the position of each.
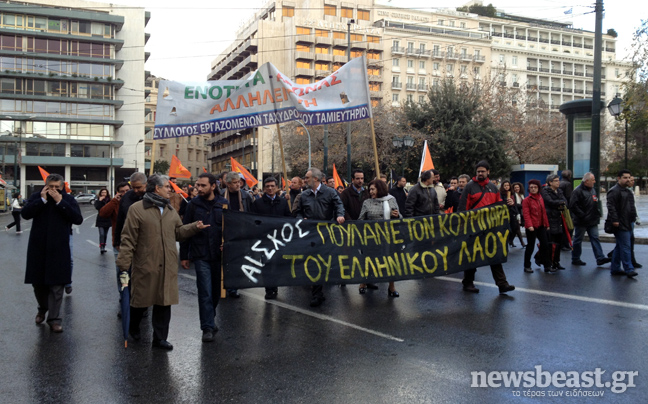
(381, 206)
(506, 192)
(536, 224)
(103, 224)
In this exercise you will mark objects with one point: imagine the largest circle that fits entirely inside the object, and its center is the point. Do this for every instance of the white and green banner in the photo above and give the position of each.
(267, 97)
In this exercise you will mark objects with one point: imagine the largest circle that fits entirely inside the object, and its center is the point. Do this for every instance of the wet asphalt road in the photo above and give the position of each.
(419, 348)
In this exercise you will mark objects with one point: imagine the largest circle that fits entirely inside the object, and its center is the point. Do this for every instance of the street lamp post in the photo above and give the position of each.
(616, 107)
(402, 143)
(351, 21)
(137, 144)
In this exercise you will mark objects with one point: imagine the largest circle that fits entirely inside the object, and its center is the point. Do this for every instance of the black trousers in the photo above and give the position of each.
(544, 255)
(16, 222)
(49, 298)
(555, 243)
(160, 318)
(498, 276)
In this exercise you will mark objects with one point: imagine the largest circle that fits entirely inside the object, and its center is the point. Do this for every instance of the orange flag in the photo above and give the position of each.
(249, 178)
(336, 177)
(178, 190)
(426, 159)
(204, 170)
(283, 183)
(177, 170)
(45, 174)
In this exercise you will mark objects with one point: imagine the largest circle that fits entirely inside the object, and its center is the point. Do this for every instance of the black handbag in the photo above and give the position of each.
(608, 227)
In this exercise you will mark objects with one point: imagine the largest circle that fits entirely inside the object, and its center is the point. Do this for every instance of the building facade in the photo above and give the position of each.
(72, 91)
(190, 150)
(407, 52)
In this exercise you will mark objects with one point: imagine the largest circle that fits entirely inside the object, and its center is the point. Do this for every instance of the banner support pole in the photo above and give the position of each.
(283, 162)
(375, 148)
(152, 158)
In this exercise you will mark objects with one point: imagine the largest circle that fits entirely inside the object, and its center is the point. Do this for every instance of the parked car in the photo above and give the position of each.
(85, 198)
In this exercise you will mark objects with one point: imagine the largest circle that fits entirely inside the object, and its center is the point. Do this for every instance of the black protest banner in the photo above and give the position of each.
(264, 251)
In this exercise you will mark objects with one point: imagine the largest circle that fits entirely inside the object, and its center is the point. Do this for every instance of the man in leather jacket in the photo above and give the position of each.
(622, 213)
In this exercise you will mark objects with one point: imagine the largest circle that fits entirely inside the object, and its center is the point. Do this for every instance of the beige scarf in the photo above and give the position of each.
(239, 198)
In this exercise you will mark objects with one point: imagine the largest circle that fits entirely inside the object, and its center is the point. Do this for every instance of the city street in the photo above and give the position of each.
(419, 348)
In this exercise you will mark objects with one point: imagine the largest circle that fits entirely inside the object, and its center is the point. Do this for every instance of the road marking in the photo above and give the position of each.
(312, 314)
(93, 243)
(559, 295)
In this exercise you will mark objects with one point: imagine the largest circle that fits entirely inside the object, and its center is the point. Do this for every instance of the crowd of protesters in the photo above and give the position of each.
(147, 214)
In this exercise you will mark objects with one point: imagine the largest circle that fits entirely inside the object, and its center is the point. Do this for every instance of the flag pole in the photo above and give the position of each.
(375, 148)
(152, 158)
(283, 161)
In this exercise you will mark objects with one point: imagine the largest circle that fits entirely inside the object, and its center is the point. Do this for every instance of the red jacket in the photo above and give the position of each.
(110, 211)
(533, 209)
(471, 196)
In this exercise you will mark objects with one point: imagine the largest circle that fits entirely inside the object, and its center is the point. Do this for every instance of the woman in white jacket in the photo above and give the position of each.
(16, 207)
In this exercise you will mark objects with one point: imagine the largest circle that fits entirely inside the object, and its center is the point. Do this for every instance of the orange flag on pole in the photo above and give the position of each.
(336, 178)
(178, 190)
(177, 170)
(204, 169)
(283, 183)
(249, 178)
(426, 159)
(45, 174)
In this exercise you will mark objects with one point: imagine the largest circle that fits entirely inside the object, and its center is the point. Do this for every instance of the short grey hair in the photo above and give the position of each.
(138, 177)
(316, 173)
(54, 178)
(587, 176)
(551, 177)
(232, 176)
(156, 180)
(466, 176)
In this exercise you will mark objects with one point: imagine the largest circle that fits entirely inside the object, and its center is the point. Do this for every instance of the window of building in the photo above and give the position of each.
(440, 22)
(302, 64)
(410, 98)
(421, 99)
(356, 37)
(435, 66)
(422, 64)
(303, 48)
(514, 60)
(410, 79)
(302, 80)
(450, 50)
(339, 35)
(464, 69)
(373, 55)
(324, 50)
(363, 15)
(375, 103)
(395, 62)
(515, 77)
(410, 64)
(288, 11)
(435, 50)
(356, 54)
(303, 31)
(330, 10)
(339, 51)
(373, 39)
(501, 58)
(346, 12)
(337, 66)
(322, 33)
(374, 86)
(395, 97)
(410, 46)
(373, 71)
(452, 23)
(421, 81)
(435, 83)
(462, 25)
(477, 52)
(450, 68)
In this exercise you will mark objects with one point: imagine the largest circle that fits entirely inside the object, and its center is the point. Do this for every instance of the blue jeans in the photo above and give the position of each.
(593, 233)
(622, 252)
(208, 277)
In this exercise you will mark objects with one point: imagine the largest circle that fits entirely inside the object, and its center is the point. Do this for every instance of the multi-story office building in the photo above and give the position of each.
(408, 51)
(191, 150)
(72, 91)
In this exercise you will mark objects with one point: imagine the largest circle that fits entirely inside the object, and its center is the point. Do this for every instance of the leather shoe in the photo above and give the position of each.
(528, 270)
(392, 293)
(40, 317)
(471, 289)
(317, 301)
(362, 291)
(631, 274)
(372, 286)
(135, 334)
(68, 289)
(166, 345)
(614, 273)
(579, 262)
(603, 261)
(507, 288)
(637, 265)
(557, 266)
(56, 327)
(208, 335)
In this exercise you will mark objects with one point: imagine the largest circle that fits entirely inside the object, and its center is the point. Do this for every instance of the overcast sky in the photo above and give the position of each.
(187, 35)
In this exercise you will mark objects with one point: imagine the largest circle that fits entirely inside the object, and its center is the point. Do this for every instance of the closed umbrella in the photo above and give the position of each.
(124, 278)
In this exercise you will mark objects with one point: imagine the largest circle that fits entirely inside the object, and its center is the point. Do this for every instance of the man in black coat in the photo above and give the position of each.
(204, 250)
(318, 202)
(583, 206)
(622, 213)
(49, 261)
(354, 196)
(422, 198)
(398, 192)
(271, 204)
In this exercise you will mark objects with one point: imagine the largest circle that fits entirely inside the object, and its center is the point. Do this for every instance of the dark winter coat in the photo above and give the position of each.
(621, 207)
(567, 188)
(102, 221)
(352, 201)
(127, 200)
(246, 200)
(48, 252)
(583, 206)
(326, 205)
(271, 207)
(471, 196)
(421, 201)
(206, 244)
(401, 197)
(555, 203)
(534, 212)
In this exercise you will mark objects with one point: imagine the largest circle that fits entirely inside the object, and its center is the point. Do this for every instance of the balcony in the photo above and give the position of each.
(610, 50)
(374, 46)
(578, 44)
(305, 38)
(375, 78)
(324, 57)
(412, 52)
(396, 85)
(507, 35)
(532, 68)
(323, 40)
(555, 71)
(502, 84)
(567, 72)
(452, 56)
(466, 57)
(499, 34)
(543, 40)
(532, 86)
(532, 38)
(398, 50)
(543, 88)
(555, 42)
(579, 74)
(543, 69)
(375, 94)
(578, 91)
(422, 87)
(565, 43)
(589, 74)
(589, 92)
(410, 87)
(587, 46)
(304, 72)
(340, 42)
(567, 90)
(521, 37)
(438, 55)
(305, 55)
(516, 84)
(555, 88)
(479, 59)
